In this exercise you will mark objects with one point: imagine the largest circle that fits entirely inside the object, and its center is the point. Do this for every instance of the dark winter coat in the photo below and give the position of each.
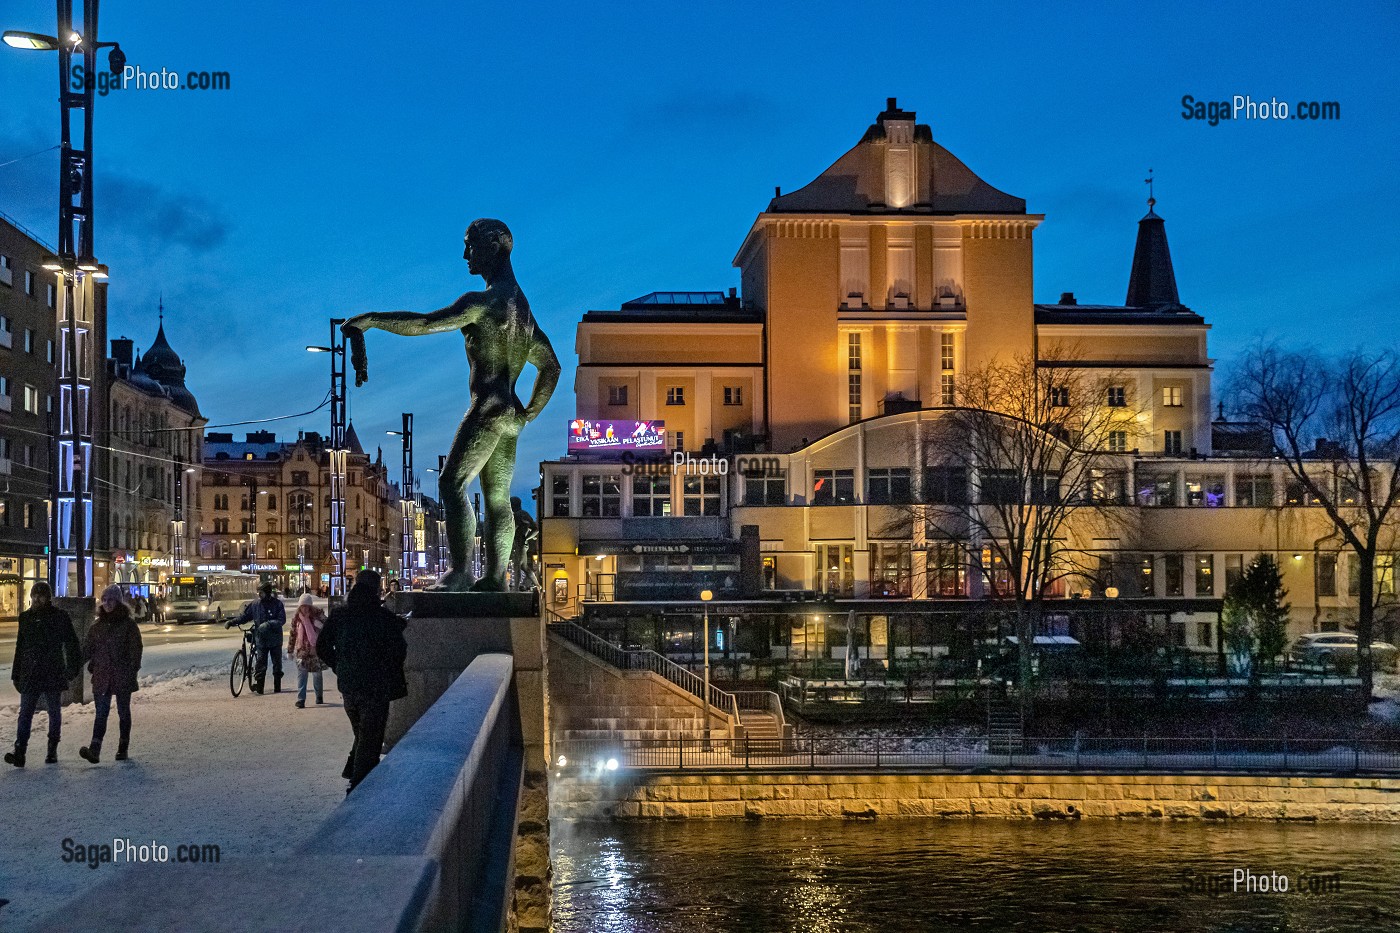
(363, 643)
(269, 615)
(47, 653)
(113, 650)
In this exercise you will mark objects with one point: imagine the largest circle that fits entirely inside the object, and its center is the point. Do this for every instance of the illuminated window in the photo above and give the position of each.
(833, 487)
(1171, 396)
(1118, 441)
(946, 350)
(675, 395)
(947, 394)
(1205, 574)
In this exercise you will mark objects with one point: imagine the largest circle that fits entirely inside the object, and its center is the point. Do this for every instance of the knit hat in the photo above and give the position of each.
(305, 600)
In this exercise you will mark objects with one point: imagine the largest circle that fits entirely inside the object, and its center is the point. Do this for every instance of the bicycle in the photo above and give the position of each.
(240, 672)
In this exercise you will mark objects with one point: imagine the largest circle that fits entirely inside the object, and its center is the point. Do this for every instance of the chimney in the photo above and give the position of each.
(121, 351)
(1067, 298)
(891, 103)
(777, 191)
(733, 293)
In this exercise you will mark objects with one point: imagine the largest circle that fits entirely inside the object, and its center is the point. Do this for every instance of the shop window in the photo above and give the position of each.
(891, 567)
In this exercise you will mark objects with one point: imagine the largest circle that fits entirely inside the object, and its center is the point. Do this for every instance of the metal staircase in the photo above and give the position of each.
(1005, 728)
(760, 712)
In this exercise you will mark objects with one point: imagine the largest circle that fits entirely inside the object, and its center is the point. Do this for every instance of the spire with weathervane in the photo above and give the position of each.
(1152, 283)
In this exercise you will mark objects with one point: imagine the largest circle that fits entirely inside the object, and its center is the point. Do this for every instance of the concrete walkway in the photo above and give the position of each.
(253, 776)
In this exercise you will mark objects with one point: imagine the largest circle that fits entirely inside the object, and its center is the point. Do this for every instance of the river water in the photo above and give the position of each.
(978, 875)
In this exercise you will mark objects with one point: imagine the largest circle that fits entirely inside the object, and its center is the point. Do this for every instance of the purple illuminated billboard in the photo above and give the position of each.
(616, 435)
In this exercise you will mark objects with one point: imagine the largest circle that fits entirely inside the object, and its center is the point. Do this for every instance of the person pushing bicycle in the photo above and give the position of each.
(268, 615)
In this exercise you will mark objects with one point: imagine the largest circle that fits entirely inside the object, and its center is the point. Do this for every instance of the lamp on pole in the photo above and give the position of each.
(338, 454)
(441, 559)
(77, 270)
(705, 597)
(408, 503)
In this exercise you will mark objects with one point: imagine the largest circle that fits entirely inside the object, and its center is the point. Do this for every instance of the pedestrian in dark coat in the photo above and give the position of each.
(113, 650)
(47, 657)
(363, 643)
(268, 615)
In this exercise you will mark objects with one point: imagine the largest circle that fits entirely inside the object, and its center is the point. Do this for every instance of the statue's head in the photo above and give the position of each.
(515, 503)
(488, 245)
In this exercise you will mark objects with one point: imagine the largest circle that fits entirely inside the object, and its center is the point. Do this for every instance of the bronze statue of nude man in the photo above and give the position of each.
(501, 337)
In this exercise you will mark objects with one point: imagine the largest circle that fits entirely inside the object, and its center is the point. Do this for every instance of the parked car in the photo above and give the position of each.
(1334, 649)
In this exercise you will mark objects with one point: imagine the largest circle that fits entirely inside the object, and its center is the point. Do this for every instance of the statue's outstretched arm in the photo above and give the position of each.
(546, 377)
(465, 310)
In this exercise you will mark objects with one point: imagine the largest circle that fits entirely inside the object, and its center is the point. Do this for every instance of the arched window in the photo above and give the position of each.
(272, 549)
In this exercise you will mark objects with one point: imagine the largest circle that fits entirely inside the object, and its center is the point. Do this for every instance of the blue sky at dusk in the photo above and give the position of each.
(629, 147)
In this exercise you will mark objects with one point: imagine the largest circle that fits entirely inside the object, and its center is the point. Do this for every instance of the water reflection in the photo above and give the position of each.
(853, 877)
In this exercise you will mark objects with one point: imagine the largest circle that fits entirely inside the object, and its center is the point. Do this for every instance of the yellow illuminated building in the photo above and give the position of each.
(803, 399)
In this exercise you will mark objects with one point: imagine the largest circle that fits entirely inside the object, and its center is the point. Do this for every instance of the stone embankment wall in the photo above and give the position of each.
(1009, 796)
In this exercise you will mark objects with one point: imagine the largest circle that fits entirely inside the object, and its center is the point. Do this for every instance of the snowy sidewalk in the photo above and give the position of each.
(252, 775)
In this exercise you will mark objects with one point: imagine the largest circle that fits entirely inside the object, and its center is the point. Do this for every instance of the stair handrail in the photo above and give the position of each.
(765, 700)
(647, 660)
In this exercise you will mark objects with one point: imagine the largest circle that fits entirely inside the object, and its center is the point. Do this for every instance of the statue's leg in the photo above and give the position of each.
(471, 447)
(500, 519)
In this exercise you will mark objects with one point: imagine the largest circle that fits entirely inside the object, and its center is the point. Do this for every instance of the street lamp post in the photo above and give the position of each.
(408, 503)
(338, 454)
(705, 597)
(70, 529)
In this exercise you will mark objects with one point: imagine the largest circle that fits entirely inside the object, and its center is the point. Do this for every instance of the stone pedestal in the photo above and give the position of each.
(446, 631)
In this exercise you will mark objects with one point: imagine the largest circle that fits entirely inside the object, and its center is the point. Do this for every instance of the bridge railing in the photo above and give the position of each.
(1031, 755)
(425, 842)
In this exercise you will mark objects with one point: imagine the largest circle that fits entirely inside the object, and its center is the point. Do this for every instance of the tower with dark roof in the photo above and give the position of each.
(1152, 283)
(162, 364)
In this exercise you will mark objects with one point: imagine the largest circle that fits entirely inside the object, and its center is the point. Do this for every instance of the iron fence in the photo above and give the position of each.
(1030, 755)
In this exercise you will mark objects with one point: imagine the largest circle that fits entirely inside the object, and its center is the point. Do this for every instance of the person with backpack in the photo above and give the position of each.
(113, 650)
(306, 629)
(268, 615)
(47, 657)
(364, 644)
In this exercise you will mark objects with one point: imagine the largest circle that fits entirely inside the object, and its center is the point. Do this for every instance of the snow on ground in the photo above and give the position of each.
(253, 775)
(1387, 690)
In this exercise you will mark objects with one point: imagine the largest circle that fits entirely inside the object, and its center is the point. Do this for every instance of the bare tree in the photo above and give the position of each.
(1336, 424)
(1029, 461)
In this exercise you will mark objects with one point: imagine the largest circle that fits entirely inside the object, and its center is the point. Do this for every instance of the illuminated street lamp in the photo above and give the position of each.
(71, 522)
(338, 454)
(705, 597)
